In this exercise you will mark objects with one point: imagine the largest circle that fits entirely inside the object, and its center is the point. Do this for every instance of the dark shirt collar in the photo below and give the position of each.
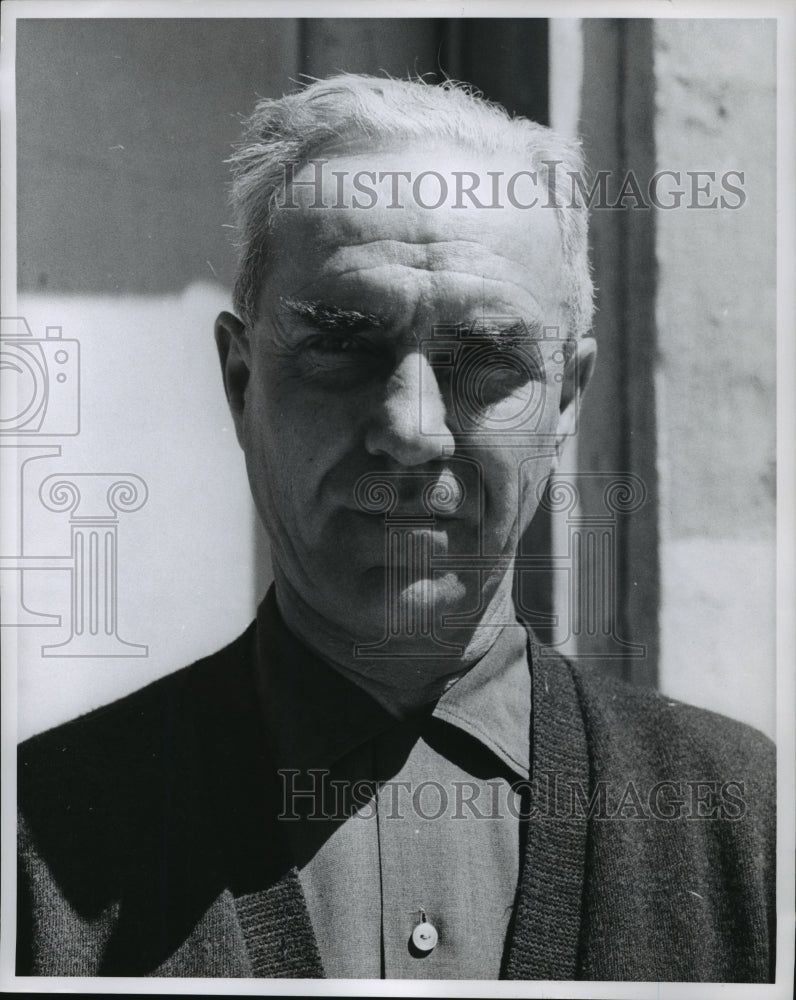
(315, 715)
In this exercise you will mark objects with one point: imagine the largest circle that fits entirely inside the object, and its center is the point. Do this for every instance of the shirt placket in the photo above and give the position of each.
(447, 885)
(409, 872)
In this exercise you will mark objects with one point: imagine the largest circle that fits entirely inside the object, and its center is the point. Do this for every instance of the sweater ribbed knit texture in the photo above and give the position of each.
(148, 844)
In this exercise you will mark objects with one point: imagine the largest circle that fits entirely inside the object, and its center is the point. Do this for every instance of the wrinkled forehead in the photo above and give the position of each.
(443, 208)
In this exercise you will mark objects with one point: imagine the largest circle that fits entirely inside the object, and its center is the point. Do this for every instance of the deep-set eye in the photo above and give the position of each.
(340, 361)
(485, 373)
(336, 345)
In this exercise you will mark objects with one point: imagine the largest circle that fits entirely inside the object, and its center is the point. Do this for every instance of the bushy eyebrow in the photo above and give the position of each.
(504, 334)
(332, 319)
(513, 332)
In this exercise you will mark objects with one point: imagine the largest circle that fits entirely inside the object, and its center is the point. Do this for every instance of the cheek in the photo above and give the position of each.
(512, 479)
(298, 438)
(523, 448)
(499, 474)
(533, 478)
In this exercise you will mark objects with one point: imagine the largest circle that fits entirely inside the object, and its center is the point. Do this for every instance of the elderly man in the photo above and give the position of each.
(387, 775)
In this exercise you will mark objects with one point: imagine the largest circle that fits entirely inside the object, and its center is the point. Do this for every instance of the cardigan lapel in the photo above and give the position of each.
(277, 931)
(260, 934)
(267, 914)
(543, 941)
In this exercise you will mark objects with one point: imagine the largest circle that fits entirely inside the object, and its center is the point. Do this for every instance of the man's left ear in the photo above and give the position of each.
(576, 375)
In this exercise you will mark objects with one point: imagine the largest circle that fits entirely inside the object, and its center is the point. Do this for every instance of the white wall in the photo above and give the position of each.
(151, 404)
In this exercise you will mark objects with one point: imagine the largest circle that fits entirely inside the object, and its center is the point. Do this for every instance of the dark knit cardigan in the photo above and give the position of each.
(148, 844)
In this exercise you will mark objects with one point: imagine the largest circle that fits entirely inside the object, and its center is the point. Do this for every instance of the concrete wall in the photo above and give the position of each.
(716, 374)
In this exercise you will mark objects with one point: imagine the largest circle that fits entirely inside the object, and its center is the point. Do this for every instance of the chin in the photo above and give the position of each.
(410, 611)
(437, 595)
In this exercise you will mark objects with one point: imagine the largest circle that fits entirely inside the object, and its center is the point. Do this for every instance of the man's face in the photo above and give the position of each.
(400, 349)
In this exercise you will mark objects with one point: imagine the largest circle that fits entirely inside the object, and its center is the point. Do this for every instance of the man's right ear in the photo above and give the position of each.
(235, 357)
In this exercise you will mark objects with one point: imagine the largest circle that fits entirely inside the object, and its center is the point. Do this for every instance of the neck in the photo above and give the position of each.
(400, 683)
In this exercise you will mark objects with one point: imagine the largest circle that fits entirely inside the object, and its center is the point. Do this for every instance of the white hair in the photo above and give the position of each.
(297, 127)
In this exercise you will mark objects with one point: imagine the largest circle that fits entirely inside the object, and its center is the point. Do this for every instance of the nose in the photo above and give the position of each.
(410, 425)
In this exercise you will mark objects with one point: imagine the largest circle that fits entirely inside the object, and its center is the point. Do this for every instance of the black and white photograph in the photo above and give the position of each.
(397, 549)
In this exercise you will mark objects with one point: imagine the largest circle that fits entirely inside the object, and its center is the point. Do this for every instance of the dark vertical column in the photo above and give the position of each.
(396, 46)
(617, 432)
(507, 58)
(641, 570)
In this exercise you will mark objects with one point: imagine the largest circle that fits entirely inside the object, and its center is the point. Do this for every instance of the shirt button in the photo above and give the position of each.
(425, 937)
